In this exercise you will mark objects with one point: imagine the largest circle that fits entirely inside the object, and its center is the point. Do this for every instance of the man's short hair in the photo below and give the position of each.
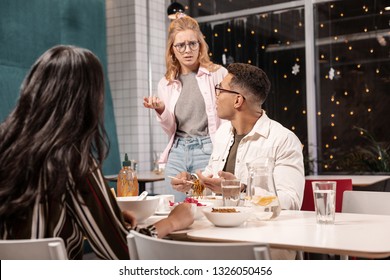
(251, 78)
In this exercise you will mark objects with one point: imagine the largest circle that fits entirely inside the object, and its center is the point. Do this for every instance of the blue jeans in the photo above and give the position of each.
(187, 154)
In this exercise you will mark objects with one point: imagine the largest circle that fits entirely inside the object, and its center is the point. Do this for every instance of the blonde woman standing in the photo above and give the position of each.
(185, 106)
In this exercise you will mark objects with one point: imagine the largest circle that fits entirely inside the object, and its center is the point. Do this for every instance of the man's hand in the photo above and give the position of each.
(214, 184)
(180, 182)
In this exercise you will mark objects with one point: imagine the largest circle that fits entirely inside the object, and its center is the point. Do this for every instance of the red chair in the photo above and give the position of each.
(341, 186)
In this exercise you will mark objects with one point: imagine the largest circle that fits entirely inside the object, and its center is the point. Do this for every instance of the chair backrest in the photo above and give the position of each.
(142, 247)
(33, 249)
(364, 202)
(342, 186)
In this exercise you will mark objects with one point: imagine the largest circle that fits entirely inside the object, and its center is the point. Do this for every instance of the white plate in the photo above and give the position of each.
(162, 213)
(234, 219)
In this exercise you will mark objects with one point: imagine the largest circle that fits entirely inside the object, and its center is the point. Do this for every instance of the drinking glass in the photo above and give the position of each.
(324, 193)
(231, 190)
(261, 192)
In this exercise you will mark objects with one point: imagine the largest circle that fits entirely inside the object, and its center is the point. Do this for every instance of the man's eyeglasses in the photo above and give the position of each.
(218, 91)
(181, 47)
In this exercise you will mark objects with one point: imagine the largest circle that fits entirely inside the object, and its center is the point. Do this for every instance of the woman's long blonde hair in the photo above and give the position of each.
(182, 23)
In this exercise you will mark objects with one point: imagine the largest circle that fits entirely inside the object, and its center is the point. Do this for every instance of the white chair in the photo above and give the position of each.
(143, 247)
(33, 249)
(364, 202)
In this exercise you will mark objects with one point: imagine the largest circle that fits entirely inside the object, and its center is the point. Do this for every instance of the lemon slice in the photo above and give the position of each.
(264, 200)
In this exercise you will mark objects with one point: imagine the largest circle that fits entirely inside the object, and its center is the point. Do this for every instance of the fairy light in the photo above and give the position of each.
(358, 66)
(249, 61)
(215, 34)
(322, 25)
(199, 4)
(293, 128)
(334, 137)
(332, 115)
(336, 58)
(276, 30)
(262, 47)
(322, 56)
(361, 133)
(225, 50)
(332, 98)
(319, 113)
(379, 158)
(346, 93)
(338, 73)
(285, 76)
(369, 110)
(288, 43)
(297, 59)
(365, 29)
(275, 61)
(229, 30)
(297, 91)
(210, 54)
(327, 146)
(239, 45)
(335, 38)
(332, 124)
(350, 48)
(351, 113)
(341, 14)
(337, 102)
(304, 112)
(285, 108)
(325, 166)
(331, 156)
(372, 51)
(300, 24)
(377, 71)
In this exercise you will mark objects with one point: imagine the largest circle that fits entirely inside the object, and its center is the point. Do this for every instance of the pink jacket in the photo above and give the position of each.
(169, 93)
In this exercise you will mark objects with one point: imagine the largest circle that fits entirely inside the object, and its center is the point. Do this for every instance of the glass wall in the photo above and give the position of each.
(353, 59)
(352, 71)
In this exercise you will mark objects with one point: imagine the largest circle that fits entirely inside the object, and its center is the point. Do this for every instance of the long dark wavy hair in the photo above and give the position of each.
(55, 132)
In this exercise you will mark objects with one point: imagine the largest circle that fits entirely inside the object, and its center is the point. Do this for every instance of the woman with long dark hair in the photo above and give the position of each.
(51, 151)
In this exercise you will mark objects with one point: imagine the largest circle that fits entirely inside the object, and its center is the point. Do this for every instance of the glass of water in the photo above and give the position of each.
(231, 190)
(324, 193)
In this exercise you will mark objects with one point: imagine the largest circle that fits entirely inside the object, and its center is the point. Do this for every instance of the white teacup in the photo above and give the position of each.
(163, 205)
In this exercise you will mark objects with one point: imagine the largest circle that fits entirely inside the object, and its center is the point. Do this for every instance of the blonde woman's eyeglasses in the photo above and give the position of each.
(181, 47)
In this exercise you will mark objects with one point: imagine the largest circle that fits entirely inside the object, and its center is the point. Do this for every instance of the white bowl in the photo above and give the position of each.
(142, 209)
(228, 219)
(215, 201)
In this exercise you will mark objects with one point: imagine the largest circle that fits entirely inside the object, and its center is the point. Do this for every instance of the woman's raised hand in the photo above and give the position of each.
(153, 102)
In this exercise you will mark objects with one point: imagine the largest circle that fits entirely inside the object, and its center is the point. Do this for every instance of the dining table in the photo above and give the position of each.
(357, 235)
(143, 177)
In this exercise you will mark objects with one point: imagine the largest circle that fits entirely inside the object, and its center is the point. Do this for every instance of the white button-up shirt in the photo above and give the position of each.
(169, 93)
(267, 138)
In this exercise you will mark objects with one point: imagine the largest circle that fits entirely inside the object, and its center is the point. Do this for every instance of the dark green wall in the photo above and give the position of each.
(29, 28)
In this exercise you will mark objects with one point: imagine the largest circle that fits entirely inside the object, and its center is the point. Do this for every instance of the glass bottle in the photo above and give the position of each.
(127, 183)
(261, 192)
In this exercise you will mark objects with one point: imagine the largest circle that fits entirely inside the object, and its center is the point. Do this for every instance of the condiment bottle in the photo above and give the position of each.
(127, 184)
